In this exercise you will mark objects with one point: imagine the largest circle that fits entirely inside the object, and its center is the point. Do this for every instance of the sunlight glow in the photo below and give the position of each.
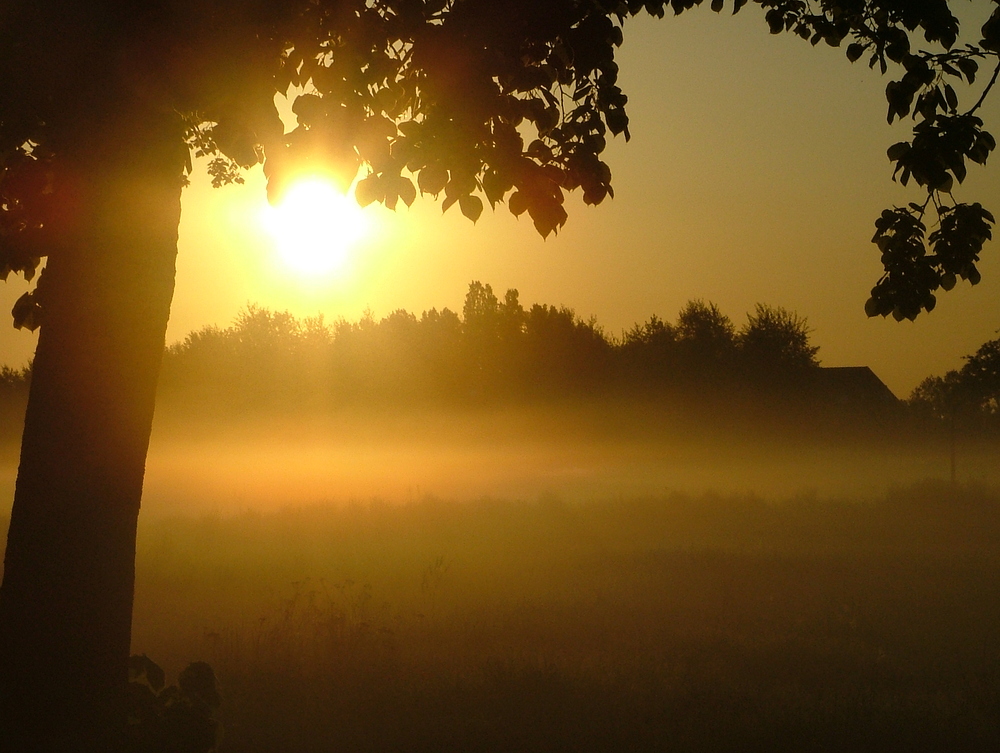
(315, 227)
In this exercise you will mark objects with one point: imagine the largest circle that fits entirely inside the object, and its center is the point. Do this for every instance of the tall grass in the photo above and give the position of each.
(675, 623)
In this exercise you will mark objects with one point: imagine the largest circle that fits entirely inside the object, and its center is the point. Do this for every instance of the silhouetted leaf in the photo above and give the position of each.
(141, 667)
(898, 151)
(518, 203)
(969, 67)
(197, 680)
(369, 190)
(404, 186)
(432, 179)
(26, 312)
(872, 308)
(951, 97)
(472, 206)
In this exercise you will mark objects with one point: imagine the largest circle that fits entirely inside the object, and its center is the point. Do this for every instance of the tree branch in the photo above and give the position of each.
(986, 91)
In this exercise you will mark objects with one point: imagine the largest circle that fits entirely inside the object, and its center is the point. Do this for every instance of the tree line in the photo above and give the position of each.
(495, 349)
(969, 395)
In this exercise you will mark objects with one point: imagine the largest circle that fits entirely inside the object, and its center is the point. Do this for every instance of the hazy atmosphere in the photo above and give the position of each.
(476, 480)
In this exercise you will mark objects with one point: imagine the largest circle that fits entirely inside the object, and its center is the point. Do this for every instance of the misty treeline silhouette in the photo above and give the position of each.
(495, 349)
(971, 393)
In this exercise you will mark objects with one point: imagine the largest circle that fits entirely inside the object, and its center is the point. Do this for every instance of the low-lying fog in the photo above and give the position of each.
(197, 466)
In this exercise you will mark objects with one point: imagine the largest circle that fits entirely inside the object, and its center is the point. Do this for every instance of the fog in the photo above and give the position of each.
(520, 454)
(198, 466)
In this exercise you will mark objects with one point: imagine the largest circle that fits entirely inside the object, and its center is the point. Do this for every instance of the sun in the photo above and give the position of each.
(315, 227)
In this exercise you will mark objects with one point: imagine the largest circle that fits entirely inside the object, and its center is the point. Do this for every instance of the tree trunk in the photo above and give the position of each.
(66, 598)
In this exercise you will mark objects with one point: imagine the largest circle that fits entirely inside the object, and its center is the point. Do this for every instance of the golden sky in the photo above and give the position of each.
(755, 172)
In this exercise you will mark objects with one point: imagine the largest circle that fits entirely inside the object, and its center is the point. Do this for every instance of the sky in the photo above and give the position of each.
(754, 174)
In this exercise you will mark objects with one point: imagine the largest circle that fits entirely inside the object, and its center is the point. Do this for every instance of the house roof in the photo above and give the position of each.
(856, 385)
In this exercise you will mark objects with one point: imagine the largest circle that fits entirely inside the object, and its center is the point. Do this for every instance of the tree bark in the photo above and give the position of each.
(66, 597)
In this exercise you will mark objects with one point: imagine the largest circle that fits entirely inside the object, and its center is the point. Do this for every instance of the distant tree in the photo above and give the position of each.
(440, 336)
(706, 339)
(948, 400)
(14, 380)
(652, 333)
(512, 316)
(13, 398)
(962, 399)
(103, 104)
(563, 354)
(492, 334)
(204, 358)
(648, 353)
(939, 397)
(775, 341)
(972, 390)
(481, 307)
(265, 358)
(981, 374)
(401, 362)
(352, 362)
(481, 338)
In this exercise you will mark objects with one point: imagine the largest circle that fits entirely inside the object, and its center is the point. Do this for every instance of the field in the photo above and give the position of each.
(674, 623)
(397, 596)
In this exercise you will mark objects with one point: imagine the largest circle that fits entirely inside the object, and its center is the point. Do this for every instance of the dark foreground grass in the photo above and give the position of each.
(669, 624)
(673, 624)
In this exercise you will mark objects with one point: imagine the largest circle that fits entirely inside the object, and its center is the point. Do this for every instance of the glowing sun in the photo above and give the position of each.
(314, 227)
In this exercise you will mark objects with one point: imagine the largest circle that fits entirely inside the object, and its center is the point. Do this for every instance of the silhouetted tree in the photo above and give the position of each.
(648, 353)
(198, 365)
(481, 334)
(102, 105)
(962, 399)
(706, 340)
(973, 390)
(949, 400)
(939, 397)
(981, 374)
(492, 340)
(440, 335)
(652, 333)
(563, 354)
(481, 307)
(13, 398)
(498, 351)
(264, 359)
(14, 380)
(775, 342)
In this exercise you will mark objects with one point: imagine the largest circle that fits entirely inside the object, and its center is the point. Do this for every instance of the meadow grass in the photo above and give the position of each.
(674, 623)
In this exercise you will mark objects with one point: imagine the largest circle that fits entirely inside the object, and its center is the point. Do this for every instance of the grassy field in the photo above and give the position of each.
(672, 623)
(561, 581)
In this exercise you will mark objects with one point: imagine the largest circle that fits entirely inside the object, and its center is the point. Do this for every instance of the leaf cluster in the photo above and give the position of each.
(171, 719)
(945, 137)
(917, 263)
(473, 101)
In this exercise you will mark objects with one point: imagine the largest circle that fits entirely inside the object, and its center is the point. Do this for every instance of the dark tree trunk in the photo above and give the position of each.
(66, 598)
